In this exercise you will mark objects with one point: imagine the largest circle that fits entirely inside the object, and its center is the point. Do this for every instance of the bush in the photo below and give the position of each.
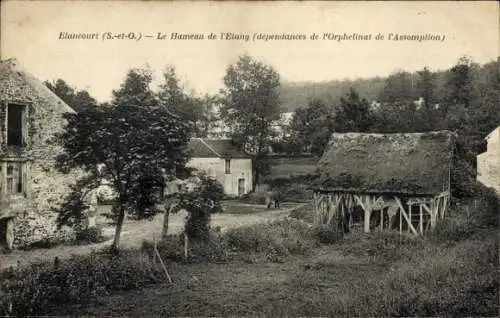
(42, 288)
(281, 237)
(304, 213)
(172, 248)
(254, 198)
(326, 235)
(90, 235)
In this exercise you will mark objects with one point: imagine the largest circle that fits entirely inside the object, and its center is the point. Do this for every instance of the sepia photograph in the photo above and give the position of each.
(249, 158)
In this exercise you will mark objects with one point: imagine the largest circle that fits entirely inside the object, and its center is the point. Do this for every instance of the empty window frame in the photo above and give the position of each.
(228, 166)
(15, 178)
(16, 124)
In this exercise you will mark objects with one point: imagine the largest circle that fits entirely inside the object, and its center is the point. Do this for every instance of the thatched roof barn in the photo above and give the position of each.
(384, 171)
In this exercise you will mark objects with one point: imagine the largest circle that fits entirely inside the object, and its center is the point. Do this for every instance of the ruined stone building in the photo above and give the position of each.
(30, 186)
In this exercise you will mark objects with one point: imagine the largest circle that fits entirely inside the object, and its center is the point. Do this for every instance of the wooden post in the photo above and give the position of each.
(382, 219)
(434, 213)
(421, 222)
(400, 222)
(402, 211)
(185, 246)
(409, 215)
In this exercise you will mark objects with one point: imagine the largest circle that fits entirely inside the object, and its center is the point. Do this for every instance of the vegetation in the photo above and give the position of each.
(137, 149)
(250, 104)
(79, 100)
(453, 272)
(204, 200)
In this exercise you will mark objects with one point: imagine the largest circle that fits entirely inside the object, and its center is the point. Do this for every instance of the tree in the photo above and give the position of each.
(426, 89)
(310, 128)
(201, 203)
(208, 116)
(250, 103)
(134, 146)
(79, 100)
(172, 95)
(399, 87)
(353, 114)
(136, 89)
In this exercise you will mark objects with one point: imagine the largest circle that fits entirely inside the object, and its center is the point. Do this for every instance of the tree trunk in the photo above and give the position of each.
(164, 231)
(119, 224)
(255, 180)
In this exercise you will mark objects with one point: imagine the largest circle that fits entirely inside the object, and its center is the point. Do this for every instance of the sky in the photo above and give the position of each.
(30, 32)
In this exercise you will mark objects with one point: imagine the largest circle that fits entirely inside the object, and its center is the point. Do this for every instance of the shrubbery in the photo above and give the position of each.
(90, 235)
(282, 237)
(44, 287)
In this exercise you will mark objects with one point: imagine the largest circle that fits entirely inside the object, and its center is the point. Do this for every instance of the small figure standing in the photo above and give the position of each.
(269, 199)
(277, 198)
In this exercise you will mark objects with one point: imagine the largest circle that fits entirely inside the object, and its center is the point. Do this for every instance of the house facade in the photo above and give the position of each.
(30, 187)
(220, 159)
(488, 163)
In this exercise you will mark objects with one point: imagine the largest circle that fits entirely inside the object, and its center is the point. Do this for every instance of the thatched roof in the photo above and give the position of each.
(416, 163)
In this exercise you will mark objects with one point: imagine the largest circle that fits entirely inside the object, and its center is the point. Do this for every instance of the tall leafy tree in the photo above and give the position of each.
(426, 89)
(208, 116)
(79, 100)
(353, 114)
(310, 128)
(130, 144)
(136, 89)
(399, 87)
(250, 103)
(187, 106)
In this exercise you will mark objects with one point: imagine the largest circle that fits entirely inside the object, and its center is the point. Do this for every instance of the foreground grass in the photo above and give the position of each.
(279, 268)
(458, 280)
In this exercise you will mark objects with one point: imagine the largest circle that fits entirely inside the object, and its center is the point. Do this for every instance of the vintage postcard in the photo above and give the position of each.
(276, 159)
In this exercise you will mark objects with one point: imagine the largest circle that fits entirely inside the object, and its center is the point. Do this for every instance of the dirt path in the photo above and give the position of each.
(135, 232)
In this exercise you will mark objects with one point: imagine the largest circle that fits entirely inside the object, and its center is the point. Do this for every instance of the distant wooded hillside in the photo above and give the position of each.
(298, 94)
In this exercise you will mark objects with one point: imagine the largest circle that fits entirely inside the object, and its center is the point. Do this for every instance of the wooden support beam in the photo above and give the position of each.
(400, 223)
(382, 219)
(409, 213)
(360, 202)
(421, 221)
(435, 211)
(403, 212)
(367, 208)
(426, 208)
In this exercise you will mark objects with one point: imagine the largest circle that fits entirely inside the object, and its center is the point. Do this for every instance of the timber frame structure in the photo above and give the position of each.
(399, 181)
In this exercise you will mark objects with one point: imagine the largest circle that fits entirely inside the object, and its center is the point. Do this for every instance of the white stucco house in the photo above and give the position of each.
(222, 160)
(488, 163)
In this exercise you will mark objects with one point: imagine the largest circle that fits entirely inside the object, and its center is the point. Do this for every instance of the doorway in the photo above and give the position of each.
(241, 187)
(6, 233)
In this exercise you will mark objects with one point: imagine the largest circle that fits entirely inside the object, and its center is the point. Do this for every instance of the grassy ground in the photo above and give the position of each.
(284, 268)
(134, 232)
(337, 280)
(287, 167)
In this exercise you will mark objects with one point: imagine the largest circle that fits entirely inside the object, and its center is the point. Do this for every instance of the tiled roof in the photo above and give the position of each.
(214, 148)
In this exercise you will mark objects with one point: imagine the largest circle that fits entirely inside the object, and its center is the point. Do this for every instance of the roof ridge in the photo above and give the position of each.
(15, 66)
(210, 147)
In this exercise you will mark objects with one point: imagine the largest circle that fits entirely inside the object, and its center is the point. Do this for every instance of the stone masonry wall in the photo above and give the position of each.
(46, 187)
(488, 163)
